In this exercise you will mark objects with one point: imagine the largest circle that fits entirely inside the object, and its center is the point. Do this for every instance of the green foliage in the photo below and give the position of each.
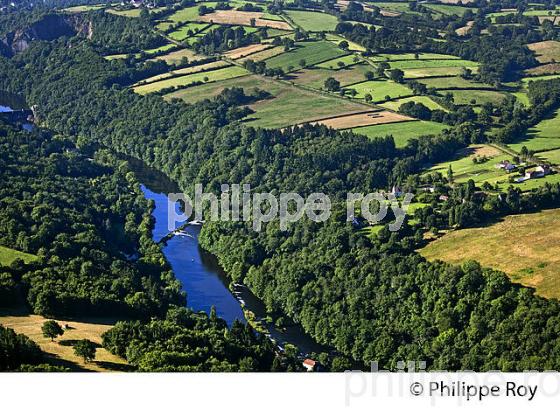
(51, 329)
(82, 219)
(191, 342)
(16, 350)
(85, 349)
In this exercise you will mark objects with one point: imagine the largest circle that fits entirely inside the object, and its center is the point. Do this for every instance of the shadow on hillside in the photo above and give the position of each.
(57, 361)
(115, 367)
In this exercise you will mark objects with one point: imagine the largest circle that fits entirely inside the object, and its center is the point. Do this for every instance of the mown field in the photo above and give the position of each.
(205, 76)
(452, 82)
(336, 39)
(283, 108)
(427, 101)
(312, 21)
(545, 136)
(292, 105)
(188, 30)
(411, 56)
(311, 52)
(380, 90)
(413, 73)
(464, 168)
(520, 246)
(402, 132)
(412, 64)
(263, 55)
(475, 97)
(183, 15)
(8, 255)
(340, 62)
(184, 71)
(209, 90)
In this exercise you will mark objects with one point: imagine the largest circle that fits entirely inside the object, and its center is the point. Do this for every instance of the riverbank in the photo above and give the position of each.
(204, 281)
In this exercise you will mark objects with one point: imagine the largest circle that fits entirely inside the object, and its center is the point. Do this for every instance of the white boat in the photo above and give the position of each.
(181, 233)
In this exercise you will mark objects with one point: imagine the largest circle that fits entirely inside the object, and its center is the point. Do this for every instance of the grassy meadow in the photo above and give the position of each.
(8, 255)
(542, 137)
(312, 20)
(60, 351)
(520, 246)
(401, 131)
(311, 52)
(204, 76)
(380, 90)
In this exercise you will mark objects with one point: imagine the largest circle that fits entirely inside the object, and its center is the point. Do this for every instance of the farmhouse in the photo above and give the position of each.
(310, 364)
(506, 166)
(539, 172)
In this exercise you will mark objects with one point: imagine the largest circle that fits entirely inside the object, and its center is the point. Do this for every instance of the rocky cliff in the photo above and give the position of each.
(47, 28)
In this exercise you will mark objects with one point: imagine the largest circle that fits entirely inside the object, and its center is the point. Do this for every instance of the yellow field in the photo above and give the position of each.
(60, 352)
(525, 247)
(363, 119)
(243, 18)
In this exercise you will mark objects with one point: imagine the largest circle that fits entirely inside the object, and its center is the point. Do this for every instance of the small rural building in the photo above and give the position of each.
(506, 166)
(397, 191)
(310, 364)
(543, 170)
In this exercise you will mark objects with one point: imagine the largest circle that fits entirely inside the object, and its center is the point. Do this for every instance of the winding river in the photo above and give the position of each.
(199, 272)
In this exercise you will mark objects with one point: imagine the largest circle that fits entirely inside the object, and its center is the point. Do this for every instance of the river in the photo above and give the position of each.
(9, 103)
(202, 278)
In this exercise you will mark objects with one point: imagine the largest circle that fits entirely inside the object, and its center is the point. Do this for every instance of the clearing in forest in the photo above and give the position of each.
(546, 51)
(60, 351)
(520, 246)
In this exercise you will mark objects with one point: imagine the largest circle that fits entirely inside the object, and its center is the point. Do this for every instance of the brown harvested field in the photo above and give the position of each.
(555, 20)
(243, 18)
(479, 151)
(176, 56)
(463, 31)
(363, 119)
(525, 247)
(552, 68)
(263, 55)
(60, 352)
(246, 51)
(546, 51)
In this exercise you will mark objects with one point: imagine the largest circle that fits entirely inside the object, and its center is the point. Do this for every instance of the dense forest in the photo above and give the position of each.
(89, 226)
(186, 341)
